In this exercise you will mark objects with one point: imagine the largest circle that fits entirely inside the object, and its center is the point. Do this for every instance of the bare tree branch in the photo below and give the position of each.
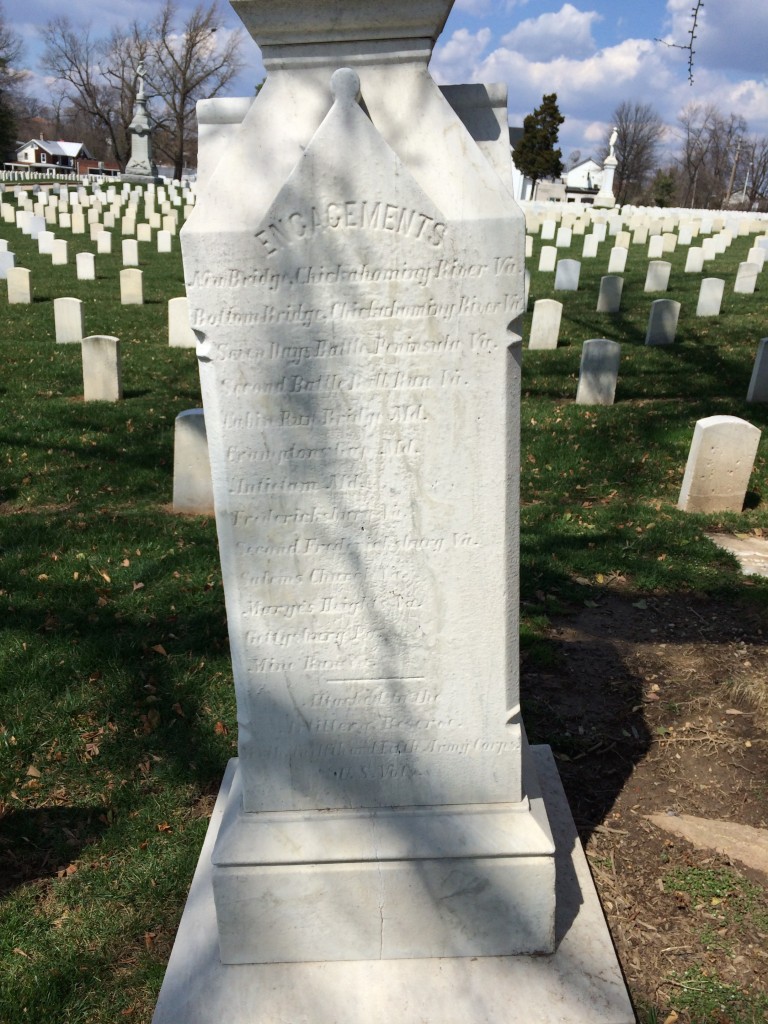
(688, 46)
(639, 128)
(186, 64)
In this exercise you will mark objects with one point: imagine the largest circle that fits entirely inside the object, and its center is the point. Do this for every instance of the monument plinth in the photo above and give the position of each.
(357, 303)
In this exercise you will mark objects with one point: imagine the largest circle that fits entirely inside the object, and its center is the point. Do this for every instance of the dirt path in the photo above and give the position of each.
(661, 705)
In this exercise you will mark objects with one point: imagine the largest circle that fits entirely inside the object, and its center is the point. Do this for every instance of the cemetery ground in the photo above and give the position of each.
(643, 647)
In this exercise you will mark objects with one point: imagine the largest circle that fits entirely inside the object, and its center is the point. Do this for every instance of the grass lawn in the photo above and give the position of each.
(117, 711)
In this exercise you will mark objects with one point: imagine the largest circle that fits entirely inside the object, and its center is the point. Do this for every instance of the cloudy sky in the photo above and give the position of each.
(592, 54)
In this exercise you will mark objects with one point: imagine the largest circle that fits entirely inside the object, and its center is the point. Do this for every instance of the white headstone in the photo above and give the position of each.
(131, 287)
(130, 247)
(19, 281)
(662, 322)
(545, 323)
(143, 233)
(589, 247)
(655, 247)
(548, 230)
(59, 253)
(617, 261)
(45, 242)
(547, 258)
(180, 334)
(7, 261)
(746, 278)
(36, 224)
(567, 276)
(719, 465)
(104, 242)
(101, 369)
(68, 319)
(563, 238)
(192, 485)
(757, 255)
(86, 266)
(710, 296)
(758, 384)
(609, 297)
(598, 372)
(657, 276)
(708, 249)
(694, 260)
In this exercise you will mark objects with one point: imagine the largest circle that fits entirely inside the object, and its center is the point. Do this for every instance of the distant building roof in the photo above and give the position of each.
(589, 160)
(60, 148)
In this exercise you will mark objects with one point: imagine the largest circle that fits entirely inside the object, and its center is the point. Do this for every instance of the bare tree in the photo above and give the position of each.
(639, 129)
(751, 179)
(97, 80)
(186, 63)
(711, 144)
(11, 80)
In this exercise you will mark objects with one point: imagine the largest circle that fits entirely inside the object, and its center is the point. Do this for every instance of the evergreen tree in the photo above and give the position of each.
(536, 155)
(7, 130)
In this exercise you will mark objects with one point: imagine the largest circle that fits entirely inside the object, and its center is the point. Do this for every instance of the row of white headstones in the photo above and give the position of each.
(99, 213)
(706, 481)
(723, 449)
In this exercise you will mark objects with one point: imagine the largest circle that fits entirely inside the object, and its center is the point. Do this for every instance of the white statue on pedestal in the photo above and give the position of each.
(605, 196)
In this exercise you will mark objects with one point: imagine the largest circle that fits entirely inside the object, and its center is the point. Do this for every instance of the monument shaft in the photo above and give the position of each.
(356, 304)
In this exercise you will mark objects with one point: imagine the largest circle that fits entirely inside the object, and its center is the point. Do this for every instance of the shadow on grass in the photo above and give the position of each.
(37, 843)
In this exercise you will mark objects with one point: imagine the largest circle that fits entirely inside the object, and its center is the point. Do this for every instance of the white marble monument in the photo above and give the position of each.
(357, 306)
(141, 167)
(605, 196)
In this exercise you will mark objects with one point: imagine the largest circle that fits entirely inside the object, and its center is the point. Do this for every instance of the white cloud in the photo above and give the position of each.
(596, 132)
(455, 60)
(602, 77)
(564, 32)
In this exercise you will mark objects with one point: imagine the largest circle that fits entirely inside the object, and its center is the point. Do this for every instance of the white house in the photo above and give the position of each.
(588, 174)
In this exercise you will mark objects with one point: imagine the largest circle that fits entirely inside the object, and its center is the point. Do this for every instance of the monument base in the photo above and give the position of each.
(141, 179)
(580, 982)
(385, 884)
(604, 202)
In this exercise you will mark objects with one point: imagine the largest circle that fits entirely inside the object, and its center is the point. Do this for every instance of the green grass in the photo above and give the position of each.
(117, 711)
(600, 484)
(706, 999)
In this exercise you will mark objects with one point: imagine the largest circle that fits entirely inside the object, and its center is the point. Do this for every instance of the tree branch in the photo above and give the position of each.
(695, 11)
